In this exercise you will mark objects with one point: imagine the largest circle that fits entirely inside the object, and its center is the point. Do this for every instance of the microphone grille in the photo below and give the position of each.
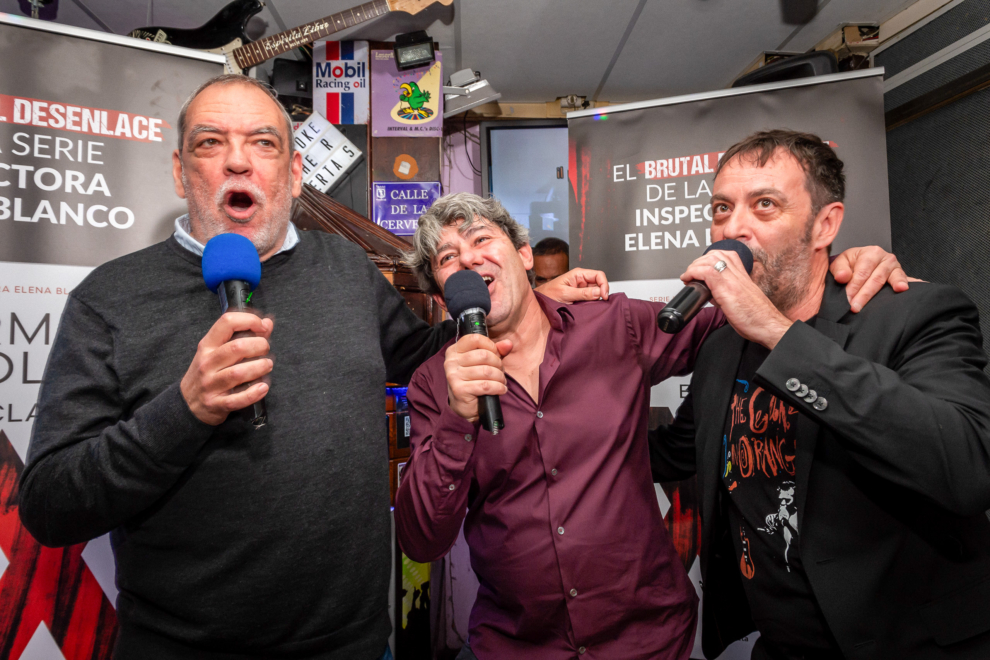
(230, 257)
(732, 245)
(465, 289)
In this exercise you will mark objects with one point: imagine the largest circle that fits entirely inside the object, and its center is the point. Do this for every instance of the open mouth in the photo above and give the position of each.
(489, 280)
(239, 204)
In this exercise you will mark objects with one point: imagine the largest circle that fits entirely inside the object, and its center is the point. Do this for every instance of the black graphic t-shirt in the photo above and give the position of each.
(759, 446)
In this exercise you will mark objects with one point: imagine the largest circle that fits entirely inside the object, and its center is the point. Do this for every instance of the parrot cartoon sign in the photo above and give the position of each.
(416, 100)
(405, 103)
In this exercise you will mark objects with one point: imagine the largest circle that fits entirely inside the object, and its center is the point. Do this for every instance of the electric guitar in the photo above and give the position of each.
(228, 26)
(242, 53)
(746, 566)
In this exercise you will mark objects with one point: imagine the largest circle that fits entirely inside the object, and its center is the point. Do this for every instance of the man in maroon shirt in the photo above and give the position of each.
(560, 512)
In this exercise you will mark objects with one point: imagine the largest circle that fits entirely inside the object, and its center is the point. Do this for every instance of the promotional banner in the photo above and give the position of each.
(640, 207)
(397, 206)
(405, 103)
(87, 130)
(340, 81)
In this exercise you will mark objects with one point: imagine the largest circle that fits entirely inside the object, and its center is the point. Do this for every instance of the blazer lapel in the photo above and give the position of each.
(834, 306)
(711, 404)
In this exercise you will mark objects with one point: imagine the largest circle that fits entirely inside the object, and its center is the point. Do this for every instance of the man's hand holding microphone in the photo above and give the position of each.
(726, 274)
(212, 384)
(473, 364)
(225, 374)
(474, 368)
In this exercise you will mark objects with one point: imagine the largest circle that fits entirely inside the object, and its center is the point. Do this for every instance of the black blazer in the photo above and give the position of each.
(893, 474)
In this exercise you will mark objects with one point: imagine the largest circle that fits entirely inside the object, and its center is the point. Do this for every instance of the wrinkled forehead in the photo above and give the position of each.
(236, 106)
(461, 229)
(478, 223)
(781, 169)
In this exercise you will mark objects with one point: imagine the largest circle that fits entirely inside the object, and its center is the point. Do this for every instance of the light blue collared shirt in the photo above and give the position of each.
(184, 239)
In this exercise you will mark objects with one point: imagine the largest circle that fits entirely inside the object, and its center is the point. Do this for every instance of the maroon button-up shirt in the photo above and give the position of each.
(562, 519)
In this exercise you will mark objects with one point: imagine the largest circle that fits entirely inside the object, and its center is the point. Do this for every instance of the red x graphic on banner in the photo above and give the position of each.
(50, 585)
(683, 523)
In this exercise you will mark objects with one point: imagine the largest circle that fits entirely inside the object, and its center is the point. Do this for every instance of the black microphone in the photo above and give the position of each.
(232, 270)
(469, 302)
(682, 308)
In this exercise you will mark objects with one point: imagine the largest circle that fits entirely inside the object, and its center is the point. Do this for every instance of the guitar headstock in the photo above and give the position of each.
(414, 6)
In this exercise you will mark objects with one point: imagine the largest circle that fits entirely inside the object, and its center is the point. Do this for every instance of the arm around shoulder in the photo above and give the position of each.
(668, 354)
(406, 340)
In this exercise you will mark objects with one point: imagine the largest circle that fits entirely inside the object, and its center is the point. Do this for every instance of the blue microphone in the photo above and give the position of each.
(232, 270)
(230, 258)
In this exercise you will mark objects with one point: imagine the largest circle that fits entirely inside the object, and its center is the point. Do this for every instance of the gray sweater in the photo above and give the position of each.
(229, 541)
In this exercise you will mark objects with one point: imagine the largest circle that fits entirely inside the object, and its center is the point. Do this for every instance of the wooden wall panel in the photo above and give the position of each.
(387, 151)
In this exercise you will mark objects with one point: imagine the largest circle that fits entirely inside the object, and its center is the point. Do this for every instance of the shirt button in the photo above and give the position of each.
(581, 650)
(560, 530)
(539, 414)
(792, 384)
(573, 593)
(812, 395)
(820, 405)
(554, 472)
(802, 391)
(468, 437)
(451, 486)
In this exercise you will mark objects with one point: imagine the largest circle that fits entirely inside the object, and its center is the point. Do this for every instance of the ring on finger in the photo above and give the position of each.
(720, 265)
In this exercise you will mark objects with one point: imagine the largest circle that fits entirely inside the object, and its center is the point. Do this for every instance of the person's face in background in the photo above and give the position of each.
(549, 266)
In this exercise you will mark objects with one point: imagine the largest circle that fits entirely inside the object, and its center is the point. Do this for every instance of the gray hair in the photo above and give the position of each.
(232, 79)
(447, 211)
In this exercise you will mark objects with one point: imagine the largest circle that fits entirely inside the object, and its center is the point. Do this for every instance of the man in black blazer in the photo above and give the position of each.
(843, 459)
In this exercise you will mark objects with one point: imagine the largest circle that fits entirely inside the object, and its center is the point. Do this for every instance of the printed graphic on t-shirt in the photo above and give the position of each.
(759, 494)
(758, 451)
(785, 520)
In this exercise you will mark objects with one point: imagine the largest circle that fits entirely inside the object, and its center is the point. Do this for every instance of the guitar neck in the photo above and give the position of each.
(264, 49)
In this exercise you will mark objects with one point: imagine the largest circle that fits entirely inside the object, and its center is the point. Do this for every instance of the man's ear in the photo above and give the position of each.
(297, 178)
(827, 225)
(526, 254)
(438, 299)
(180, 189)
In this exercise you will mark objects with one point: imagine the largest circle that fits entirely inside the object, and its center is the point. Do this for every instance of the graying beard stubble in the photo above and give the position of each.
(785, 274)
(193, 202)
